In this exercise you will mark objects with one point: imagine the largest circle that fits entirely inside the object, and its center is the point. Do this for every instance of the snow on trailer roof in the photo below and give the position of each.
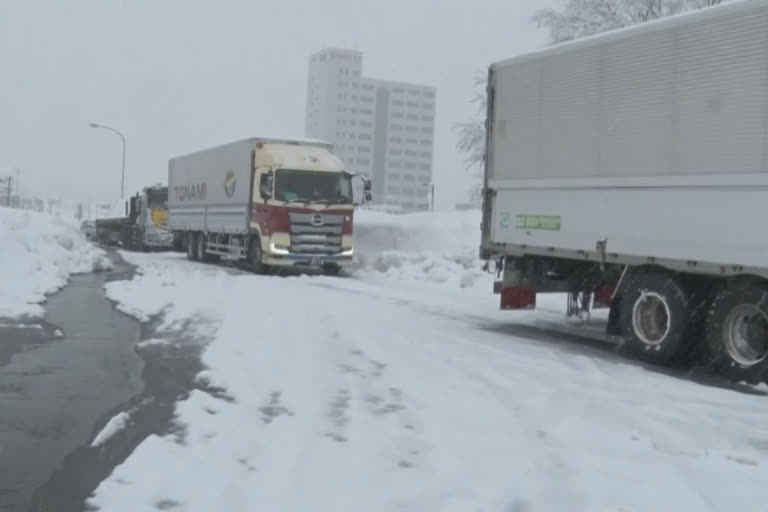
(619, 34)
(297, 141)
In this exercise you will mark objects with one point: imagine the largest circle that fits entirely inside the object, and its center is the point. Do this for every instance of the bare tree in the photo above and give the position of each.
(472, 138)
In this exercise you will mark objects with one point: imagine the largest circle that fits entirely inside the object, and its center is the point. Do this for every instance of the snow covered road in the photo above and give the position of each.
(380, 393)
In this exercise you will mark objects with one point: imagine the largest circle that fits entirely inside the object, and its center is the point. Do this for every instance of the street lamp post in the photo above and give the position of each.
(122, 137)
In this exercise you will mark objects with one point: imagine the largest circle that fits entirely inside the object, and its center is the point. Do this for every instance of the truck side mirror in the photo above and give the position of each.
(265, 185)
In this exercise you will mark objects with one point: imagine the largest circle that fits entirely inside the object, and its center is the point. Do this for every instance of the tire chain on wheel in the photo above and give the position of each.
(673, 348)
(717, 357)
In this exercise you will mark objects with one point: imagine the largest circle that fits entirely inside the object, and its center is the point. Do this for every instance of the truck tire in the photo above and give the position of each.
(654, 317)
(255, 256)
(192, 246)
(736, 332)
(202, 243)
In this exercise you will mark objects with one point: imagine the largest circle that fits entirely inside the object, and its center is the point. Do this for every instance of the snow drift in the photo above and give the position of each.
(436, 247)
(39, 253)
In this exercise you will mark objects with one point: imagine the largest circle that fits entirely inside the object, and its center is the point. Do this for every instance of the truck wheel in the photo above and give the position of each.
(737, 332)
(255, 255)
(654, 316)
(202, 243)
(192, 246)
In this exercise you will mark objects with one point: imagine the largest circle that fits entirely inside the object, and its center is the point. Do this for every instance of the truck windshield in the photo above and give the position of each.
(313, 187)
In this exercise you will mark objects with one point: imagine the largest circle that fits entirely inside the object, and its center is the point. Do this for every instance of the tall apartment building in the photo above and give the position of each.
(380, 128)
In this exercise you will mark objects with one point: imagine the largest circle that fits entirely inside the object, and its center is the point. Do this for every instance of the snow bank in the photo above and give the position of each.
(435, 247)
(39, 252)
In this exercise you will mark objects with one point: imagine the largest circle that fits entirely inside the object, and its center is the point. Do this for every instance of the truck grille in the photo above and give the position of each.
(316, 233)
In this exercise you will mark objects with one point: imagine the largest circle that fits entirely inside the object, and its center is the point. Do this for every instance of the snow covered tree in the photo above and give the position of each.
(575, 19)
(581, 18)
(472, 140)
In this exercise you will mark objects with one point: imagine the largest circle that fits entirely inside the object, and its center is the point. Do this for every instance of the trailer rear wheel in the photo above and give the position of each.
(192, 246)
(737, 332)
(654, 317)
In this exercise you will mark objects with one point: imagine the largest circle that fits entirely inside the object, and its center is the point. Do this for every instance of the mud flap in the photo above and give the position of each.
(518, 298)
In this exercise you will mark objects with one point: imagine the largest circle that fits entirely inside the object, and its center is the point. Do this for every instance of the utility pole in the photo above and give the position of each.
(432, 196)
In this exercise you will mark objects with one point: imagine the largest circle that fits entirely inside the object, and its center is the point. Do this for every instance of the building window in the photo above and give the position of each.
(410, 140)
(425, 167)
(428, 119)
(426, 154)
(409, 178)
(366, 111)
(363, 161)
(413, 117)
(426, 142)
(427, 106)
(393, 190)
(396, 90)
(363, 149)
(395, 152)
(395, 164)
(397, 115)
(366, 124)
(398, 103)
(364, 136)
(411, 129)
(411, 153)
(393, 177)
(397, 127)
(414, 92)
(396, 140)
(429, 94)
(426, 129)
(412, 104)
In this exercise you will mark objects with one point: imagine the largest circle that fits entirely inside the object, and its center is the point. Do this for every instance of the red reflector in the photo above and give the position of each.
(518, 298)
(603, 297)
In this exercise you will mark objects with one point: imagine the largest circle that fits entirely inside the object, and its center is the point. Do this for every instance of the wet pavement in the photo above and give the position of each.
(56, 386)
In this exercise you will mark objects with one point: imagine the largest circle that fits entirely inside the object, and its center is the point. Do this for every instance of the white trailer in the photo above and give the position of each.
(630, 169)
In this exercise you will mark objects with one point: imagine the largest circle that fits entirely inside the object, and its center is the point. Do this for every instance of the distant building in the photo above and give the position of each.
(380, 128)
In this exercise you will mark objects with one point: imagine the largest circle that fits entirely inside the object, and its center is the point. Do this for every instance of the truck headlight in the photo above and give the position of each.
(348, 252)
(274, 249)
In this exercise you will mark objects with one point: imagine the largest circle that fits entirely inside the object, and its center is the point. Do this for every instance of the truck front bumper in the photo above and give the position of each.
(290, 259)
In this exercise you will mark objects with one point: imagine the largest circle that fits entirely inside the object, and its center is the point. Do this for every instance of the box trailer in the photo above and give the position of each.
(268, 202)
(630, 169)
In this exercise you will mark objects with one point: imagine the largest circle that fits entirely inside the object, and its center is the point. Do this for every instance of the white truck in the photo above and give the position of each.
(630, 170)
(271, 203)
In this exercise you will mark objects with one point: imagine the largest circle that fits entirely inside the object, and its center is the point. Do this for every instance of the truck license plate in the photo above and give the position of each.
(316, 261)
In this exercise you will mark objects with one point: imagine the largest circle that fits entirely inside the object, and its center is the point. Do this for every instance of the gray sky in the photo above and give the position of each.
(180, 75)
